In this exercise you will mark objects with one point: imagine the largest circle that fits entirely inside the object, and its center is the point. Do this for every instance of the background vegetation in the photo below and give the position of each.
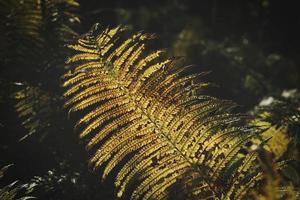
(250, 47)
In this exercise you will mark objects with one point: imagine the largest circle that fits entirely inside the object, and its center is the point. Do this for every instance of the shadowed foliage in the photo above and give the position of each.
(26, 25)
(13, 191)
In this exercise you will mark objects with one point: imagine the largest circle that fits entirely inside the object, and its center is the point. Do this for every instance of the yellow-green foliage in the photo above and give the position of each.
(272, 188)
(13, 190)
(27, 49)
(139, 109)
(278, 141)
(277, 138)
(34, 109)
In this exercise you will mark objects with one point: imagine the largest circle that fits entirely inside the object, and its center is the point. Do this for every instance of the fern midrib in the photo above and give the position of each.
(124, 87)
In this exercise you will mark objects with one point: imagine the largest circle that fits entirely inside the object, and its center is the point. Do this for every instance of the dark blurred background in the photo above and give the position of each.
(251, 48)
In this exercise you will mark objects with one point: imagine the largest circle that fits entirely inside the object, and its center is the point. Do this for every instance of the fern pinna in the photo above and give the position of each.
(148, 112)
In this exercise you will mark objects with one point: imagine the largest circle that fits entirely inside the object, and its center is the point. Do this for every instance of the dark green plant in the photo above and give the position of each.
(14, 190)
(34, 52)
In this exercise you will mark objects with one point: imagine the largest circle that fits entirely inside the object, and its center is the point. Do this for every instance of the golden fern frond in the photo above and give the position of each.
(139, 110)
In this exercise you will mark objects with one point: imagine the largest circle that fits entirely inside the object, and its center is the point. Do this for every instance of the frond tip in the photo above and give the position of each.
(145, 110)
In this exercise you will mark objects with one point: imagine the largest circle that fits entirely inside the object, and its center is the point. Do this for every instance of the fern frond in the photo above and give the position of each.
(140, 109)
(34, 108)
(29, 21)
(13, 190)
(282, 110)
(29, 50)
(279, 118)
